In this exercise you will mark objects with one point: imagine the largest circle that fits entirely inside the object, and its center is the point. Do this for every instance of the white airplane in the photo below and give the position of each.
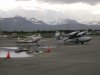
(15, 52)
(15, 49)
(3, 36)
(31, 39)
(74, 37)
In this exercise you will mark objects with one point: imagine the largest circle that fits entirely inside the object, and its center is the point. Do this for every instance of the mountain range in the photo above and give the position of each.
(18, 23)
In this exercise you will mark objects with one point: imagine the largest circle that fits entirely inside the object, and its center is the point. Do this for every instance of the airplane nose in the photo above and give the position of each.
(89, 38)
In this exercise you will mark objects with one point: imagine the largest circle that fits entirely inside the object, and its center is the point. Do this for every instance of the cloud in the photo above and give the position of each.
(71, 1)
(50, 15)
(22, 0)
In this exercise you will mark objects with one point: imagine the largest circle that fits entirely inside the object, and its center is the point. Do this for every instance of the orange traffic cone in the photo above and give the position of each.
(8, 55)
(48, 50)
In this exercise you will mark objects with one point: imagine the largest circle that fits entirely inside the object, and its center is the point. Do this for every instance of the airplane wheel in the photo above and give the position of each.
(82, 42)
(64, 43)
(77, 41)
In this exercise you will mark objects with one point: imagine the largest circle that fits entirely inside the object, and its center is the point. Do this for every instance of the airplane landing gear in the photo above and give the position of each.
(64, 43)
(82, 42)
(77, 41)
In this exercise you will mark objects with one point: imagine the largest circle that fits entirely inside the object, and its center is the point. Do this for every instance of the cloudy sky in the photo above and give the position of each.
(49, 10)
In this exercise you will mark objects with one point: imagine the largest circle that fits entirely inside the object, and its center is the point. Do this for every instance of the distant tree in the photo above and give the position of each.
(89, 30)
(38, 31)
(22, 32)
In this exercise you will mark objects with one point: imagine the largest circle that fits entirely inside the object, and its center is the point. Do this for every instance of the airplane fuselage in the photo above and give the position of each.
(79, 39)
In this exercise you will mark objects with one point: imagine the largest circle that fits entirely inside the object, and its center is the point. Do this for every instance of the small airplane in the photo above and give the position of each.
(3, 36)
(31, 39)
(74, 37)
(15, 52)
(15, 49)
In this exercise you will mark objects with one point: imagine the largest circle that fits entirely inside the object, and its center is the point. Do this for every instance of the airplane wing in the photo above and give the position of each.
(82, 33)
(64, 35)
(9, 48)
(73, 35)
(16, 49)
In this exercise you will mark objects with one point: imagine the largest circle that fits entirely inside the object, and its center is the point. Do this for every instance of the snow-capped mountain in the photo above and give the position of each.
(92, 23)
(63, 21)
(20, 23)
(32, 24)
(70, 24)
(35, 21)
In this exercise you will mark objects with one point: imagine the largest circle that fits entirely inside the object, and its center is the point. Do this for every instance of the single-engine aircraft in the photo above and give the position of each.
(74, 37)
(31, 39)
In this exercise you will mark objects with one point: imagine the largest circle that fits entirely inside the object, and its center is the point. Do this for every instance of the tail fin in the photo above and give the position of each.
(19, 39)
(57, 35)
(39, 35)
(82, 33)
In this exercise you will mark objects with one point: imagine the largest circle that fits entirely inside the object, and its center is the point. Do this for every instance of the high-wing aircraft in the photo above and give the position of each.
(14, 52)
(15, 49)
(75, 37)
(31, 39)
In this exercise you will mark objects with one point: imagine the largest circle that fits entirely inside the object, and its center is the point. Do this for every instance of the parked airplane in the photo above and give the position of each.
(3, 36)
(15, 49)
(31, 39)
(75, 37)
(15, 52)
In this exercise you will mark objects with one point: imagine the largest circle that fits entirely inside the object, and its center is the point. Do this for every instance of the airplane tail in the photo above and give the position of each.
(19, 39)
(39, 35)
(58, 36)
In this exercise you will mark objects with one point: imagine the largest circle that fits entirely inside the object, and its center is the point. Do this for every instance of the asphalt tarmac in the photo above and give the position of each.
(67, 59)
